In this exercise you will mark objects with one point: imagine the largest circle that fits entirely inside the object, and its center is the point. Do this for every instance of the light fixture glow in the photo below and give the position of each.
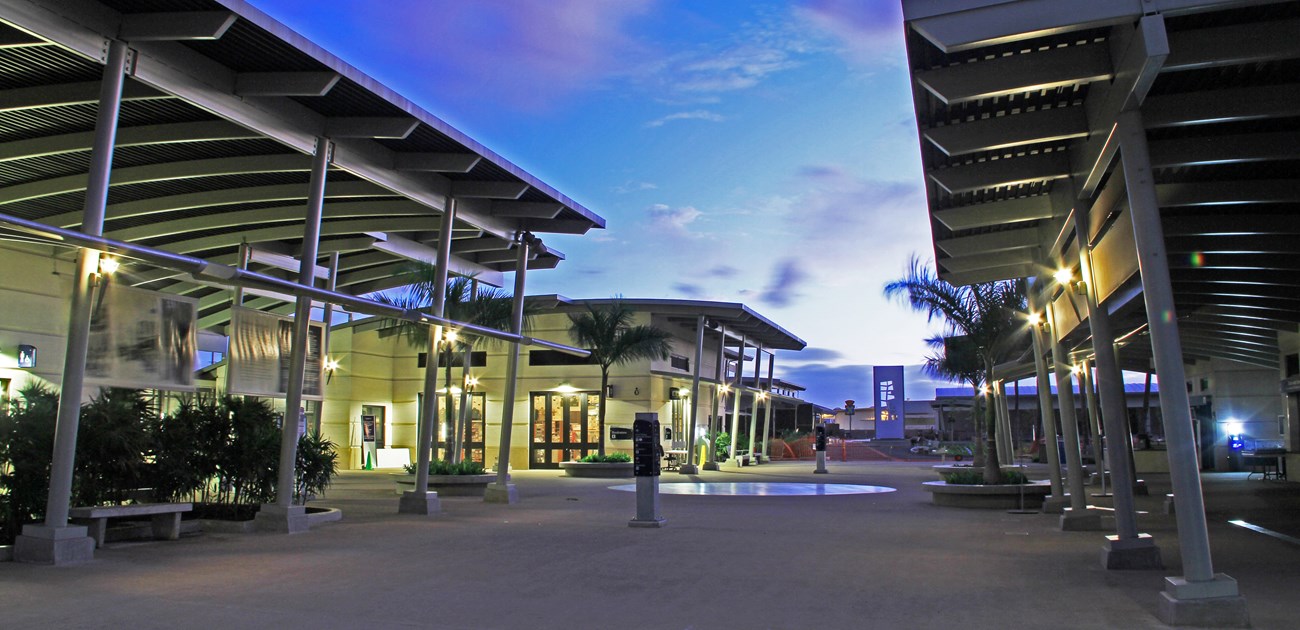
(565, 388)
(1076, 369)
(724, 388)
(450, 336)
(1035, 318)
(108, 266)
(1233, 426)
(1063, 275)
(471, 381)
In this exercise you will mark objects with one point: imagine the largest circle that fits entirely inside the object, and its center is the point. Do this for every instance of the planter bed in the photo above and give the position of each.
(315, 516)
(599, 470)
(448, 485)
(1001, 496)
(943, 469)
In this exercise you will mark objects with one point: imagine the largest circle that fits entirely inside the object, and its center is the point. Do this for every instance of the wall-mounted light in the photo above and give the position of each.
(1063, 276)
(609, 391)
(1036, 319)
(566, 388)
(724, 388)
(471, 382)
(1080, 287)
(108, 266)
(331, 366)
(674, 393)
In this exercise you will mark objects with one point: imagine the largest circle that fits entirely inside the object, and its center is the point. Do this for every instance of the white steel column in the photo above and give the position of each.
(735, 402)
(688, 467)
(753, 407)
(999, 397)
(767, 408)
(420, 500)
(1199, 581)
(715, 420)
(1126, 549)
(54, 542)
(1094, 422)
(502, 491)
(1079, 516)
(1055, 503)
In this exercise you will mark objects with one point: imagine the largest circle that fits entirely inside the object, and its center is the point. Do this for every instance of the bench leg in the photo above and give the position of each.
(95, 528)
(167, 526)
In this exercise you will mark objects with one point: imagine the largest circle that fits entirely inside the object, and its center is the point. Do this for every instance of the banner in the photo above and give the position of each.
(141, 339)
(890, 411)
(260, 352)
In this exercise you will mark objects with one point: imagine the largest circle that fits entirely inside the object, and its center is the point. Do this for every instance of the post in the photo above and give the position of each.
(688, 467)
(767, 408)
(282, 516)
(1000, 416)
(54, 541)
(1126, 549)
(1094, 425)
(1199, 582)
(645, 465)
(1078, 517)
(715, 423)
(819, 444)
(502, 491)
(1055, 503)
(420, 500)
(753, 407)
(735, 403)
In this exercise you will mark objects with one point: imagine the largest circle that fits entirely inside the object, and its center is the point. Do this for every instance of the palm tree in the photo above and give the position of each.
(983, 327)
(466, 301)
(608, 332)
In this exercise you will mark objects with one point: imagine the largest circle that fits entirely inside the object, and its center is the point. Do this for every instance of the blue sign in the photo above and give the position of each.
(890, 410)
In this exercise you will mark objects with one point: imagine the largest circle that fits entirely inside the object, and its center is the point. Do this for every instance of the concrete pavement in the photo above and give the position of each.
(564, 557)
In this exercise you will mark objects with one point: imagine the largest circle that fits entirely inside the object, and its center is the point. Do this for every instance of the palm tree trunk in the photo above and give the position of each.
(604, 387)
(448, 412)
(992, 471)
(459, 438)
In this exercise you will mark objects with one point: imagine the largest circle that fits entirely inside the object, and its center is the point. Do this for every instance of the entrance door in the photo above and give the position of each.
(381, 427)
(1203, 420)
(473, 440)
(565, 427)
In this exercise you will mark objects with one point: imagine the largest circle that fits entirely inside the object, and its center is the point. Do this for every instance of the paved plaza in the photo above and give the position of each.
(564, 557)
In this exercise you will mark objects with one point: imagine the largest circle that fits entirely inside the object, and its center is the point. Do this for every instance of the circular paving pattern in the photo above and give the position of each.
(761, 489)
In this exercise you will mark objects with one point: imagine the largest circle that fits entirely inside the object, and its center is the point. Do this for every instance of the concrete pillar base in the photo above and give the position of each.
(822, 471)
(712, 466)
(1131, 554)
(279, 519)
(497, 493)
(59, 546)
(1211, 603)
(654, 522)
(423, 503)
(688, 469)
(1140, 488)
(1055, 505)
(1086, 520)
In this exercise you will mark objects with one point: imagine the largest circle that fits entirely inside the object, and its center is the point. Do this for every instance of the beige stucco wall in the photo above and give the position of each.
(34, 292)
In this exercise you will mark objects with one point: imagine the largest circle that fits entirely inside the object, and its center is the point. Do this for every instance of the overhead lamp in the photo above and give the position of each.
(108, 266)
(1063, 276)
(1035, 319)
(449, 336)
(724, 388)
(471, 381)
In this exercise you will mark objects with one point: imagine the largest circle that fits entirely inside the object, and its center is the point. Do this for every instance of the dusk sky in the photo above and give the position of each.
(741, 151)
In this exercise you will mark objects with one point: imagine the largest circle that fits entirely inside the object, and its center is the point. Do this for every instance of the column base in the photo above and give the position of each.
(1170, 506)
(497, 493)
(58, 546)
(655, 522)
(712, 466)
(1055, 505)
(1086, 520)
(1212, 603)
(688, 469)
(280, 519)
(1131, 554)
(422, 503)
(821, 471)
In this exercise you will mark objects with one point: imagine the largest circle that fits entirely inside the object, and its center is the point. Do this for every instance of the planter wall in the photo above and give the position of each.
(1001, 497)
(600, 470)
(449, 485)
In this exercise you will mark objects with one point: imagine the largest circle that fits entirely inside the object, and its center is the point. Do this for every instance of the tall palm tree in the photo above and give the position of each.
(608, 332)
(983, 327)
(466, 301)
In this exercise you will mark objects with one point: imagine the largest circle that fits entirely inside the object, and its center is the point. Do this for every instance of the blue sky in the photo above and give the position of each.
(745, 151)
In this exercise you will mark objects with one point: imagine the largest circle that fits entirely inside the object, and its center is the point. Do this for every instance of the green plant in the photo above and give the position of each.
(608, 332)
(249, 458)
(721, 445)
(187, 448)
(112, 441)
(317, 463)
(26, 442)
(976, 477)
(609, 458)
(444, 467)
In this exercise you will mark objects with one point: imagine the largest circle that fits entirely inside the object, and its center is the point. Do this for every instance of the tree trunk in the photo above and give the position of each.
(992, 471)
(458, 440)
(604, 387)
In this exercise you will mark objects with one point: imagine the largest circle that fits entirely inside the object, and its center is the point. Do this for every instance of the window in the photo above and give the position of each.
(476, 359)
(1205, 385)
(680, 363)
(555, 357)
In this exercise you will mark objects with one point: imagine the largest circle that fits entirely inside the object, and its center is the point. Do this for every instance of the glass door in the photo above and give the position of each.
(472, 447)
(565, 427)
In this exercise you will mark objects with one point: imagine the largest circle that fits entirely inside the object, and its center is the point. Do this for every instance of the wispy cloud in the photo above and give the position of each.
(722, 271)
(786, 280)
(699, 114)
(634, 186)
(866, 32)
(674, 219)
(693, 291)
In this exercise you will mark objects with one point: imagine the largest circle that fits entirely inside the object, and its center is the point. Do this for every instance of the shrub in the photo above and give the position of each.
(26, 443)
(444, 467)
(609, 458)
(976, 477)
(249, 458)
(112, 441)
(187, 448)
(721, 445)
(316, 465)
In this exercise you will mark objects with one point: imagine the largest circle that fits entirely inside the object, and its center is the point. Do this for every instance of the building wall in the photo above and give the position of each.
(1239, 393)
(35, 289)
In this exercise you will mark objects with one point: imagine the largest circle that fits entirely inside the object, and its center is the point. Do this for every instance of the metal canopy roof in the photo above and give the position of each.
(736, 318)
(1014, 104)
(221, 112)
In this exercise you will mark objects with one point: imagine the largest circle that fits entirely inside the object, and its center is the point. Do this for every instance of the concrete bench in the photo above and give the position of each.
(166, 518)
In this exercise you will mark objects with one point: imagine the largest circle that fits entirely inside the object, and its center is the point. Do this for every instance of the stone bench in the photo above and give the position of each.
(166, 518)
